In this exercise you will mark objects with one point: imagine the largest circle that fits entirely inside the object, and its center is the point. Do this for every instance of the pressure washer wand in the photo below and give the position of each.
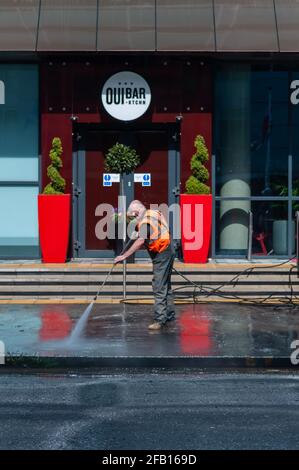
(111, 269)
(103, 283)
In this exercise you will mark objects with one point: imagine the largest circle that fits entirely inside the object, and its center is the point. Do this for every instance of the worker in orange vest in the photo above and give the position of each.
(153, 233)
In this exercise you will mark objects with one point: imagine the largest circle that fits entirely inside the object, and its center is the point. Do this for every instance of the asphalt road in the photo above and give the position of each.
(150, 411)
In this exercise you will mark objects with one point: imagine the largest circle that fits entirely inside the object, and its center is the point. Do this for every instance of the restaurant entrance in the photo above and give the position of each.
(158, 147)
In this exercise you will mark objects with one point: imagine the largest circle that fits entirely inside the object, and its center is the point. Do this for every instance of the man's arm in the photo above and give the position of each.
(136, 245)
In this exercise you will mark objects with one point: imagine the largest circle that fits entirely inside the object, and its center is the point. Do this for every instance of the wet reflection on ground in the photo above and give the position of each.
(121, 330)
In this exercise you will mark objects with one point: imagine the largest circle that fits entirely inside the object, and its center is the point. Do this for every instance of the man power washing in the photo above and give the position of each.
(154, 234)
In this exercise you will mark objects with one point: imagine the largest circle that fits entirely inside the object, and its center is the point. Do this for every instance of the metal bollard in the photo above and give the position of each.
(297, 241)
(250, 233)
(124, 280)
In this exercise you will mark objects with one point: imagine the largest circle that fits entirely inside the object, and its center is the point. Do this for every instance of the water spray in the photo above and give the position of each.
(80, 325)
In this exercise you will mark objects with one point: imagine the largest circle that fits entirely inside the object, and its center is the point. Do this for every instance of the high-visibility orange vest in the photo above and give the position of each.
(160, 236)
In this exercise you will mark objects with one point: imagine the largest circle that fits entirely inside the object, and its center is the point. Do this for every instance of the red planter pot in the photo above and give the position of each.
(196, 223)
(54, 215)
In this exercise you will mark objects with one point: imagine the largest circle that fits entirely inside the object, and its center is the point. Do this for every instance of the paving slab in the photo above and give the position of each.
(117, 335)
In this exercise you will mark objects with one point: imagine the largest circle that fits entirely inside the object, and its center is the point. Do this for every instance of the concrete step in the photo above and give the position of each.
(82, 282)
(144, 274)
(145, 280)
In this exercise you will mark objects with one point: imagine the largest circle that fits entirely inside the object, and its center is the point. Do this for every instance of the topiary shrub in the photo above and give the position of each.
(196, 183)
(57, 185)
(121, 159)
(194, 186)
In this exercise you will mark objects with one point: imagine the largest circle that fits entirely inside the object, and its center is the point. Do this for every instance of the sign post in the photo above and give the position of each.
(108, 180)
(2, 92)
(123, 211)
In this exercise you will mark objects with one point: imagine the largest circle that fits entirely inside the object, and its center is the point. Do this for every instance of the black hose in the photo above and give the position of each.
(206, 291)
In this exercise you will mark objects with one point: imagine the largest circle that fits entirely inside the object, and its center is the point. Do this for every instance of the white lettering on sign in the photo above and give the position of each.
(2, 92)
(109, 178)
(144, 178)
(138, 177)
(2, 353)
(295, 94)
(126, 96)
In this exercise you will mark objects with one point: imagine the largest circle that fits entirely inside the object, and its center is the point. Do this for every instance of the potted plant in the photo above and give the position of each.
(196, 208)
(54, 211)
(121, 159)
(117, 224)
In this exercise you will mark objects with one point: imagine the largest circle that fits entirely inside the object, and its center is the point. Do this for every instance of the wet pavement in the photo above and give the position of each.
(118, 330)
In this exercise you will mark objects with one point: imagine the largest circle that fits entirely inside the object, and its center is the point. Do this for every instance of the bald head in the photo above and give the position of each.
(136, 209)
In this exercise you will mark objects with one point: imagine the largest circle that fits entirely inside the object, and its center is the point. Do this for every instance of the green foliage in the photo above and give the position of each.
(57, 185)
(282, 190)
(121, 159)
(196, 182)
(194, 186)
(117, 218)
(202, 152)
(198, 170)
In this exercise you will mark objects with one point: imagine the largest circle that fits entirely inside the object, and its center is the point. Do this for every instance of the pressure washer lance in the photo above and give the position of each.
(81, 323)
(131, 240)
(103, 283)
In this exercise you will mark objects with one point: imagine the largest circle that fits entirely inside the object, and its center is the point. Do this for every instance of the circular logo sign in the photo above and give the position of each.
(126, 96)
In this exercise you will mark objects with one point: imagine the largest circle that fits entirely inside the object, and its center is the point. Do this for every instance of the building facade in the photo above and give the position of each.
(224, 69)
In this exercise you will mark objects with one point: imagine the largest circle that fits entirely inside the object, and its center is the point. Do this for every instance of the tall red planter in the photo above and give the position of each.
(196, 224)
(54, 216)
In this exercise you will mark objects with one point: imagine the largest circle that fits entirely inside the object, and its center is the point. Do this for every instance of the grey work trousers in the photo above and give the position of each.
(162, 268)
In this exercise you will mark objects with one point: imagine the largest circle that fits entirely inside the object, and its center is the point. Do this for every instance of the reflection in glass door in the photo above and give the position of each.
(253, 170)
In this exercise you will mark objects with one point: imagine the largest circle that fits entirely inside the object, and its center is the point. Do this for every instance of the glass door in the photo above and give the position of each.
(159, 157)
